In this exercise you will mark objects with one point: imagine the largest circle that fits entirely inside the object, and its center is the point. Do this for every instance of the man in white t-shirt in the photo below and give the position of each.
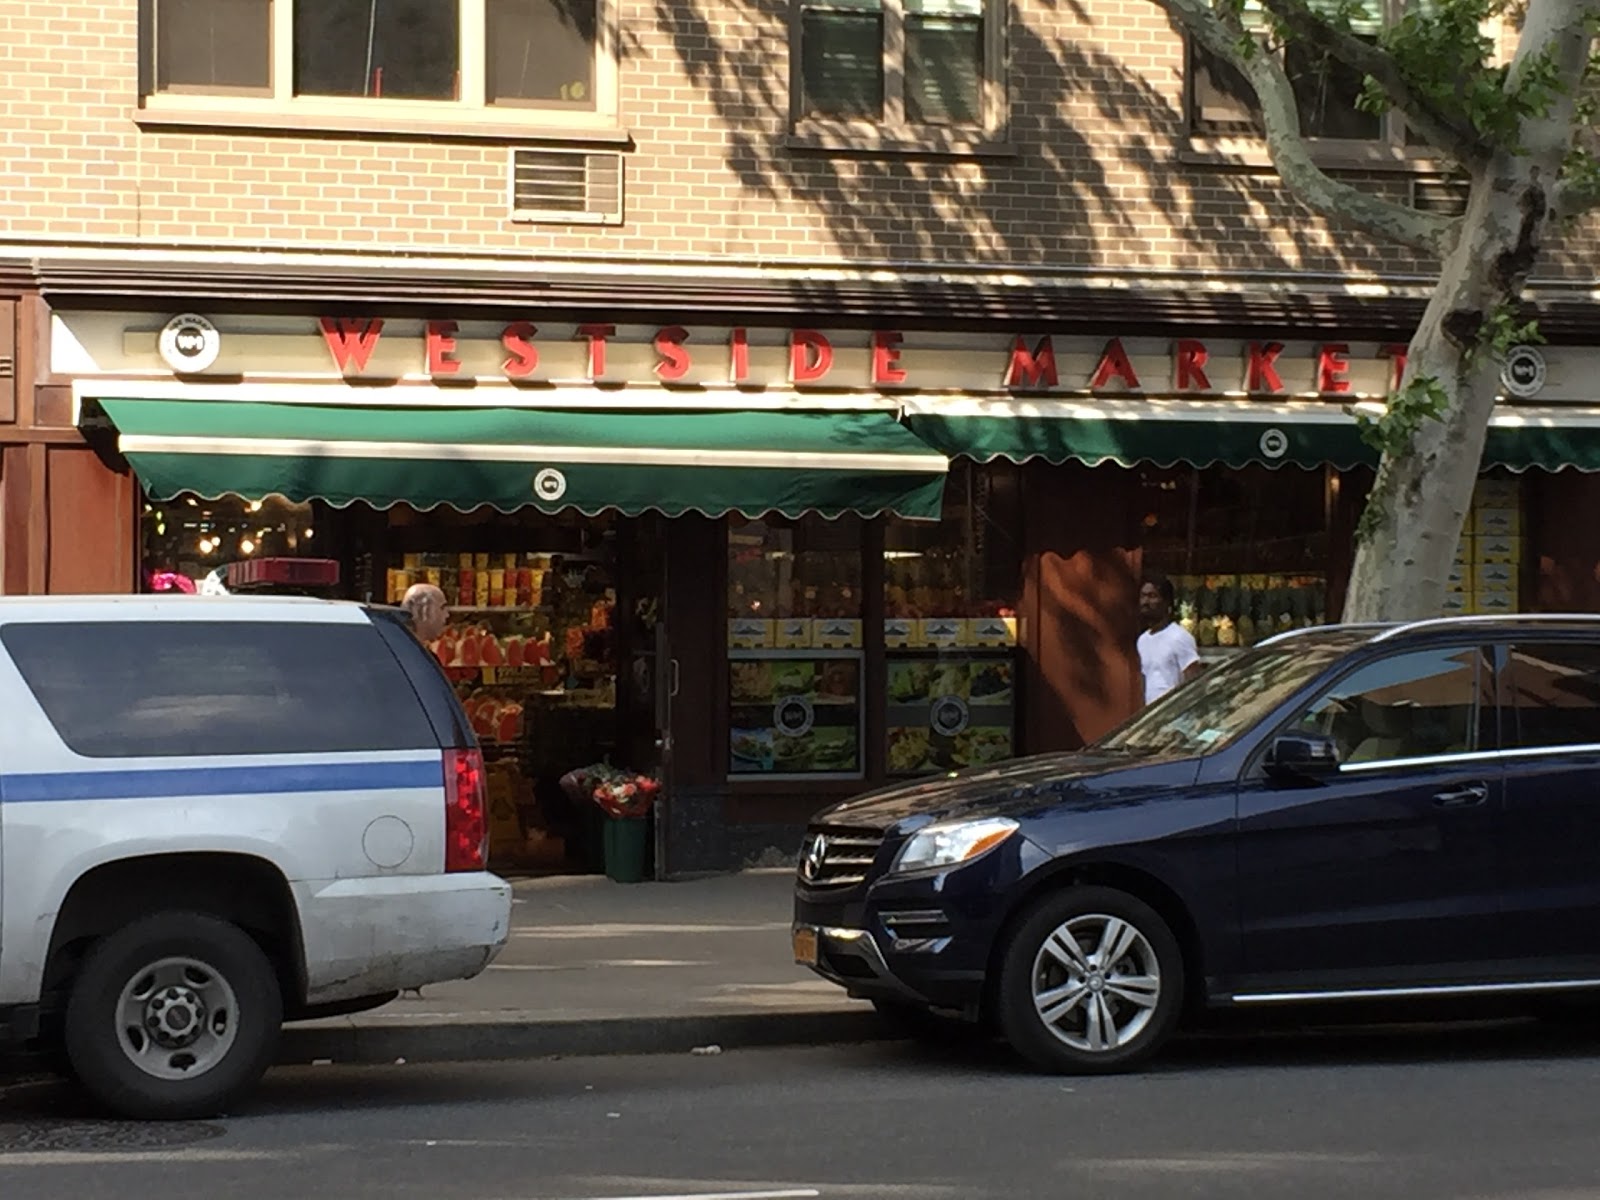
(1167, 653)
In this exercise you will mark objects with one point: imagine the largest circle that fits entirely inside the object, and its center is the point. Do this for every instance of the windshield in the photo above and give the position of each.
(1226, 702)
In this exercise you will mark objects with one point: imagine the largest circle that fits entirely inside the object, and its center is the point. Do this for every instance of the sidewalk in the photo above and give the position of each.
(595, 967)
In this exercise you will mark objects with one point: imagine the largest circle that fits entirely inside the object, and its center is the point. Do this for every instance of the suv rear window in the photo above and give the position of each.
(122, 689)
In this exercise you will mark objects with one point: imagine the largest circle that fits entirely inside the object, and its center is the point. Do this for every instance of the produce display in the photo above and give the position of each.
(530, 647)
(1240, 610)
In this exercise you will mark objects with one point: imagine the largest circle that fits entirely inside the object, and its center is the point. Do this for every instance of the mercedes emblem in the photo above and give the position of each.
(816, 854)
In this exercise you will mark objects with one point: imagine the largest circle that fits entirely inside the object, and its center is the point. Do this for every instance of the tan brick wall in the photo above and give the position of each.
(1097, 119)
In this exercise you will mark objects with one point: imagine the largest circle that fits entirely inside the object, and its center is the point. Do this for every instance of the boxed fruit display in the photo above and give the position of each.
(1234, 611)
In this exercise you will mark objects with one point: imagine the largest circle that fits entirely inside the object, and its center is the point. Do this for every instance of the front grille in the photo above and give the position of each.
(838, 857)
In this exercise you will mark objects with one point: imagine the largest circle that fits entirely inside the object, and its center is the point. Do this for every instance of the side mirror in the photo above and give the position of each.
(1307, 755)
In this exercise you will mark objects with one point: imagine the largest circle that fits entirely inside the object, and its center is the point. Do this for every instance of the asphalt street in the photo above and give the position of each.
(1461, 1112)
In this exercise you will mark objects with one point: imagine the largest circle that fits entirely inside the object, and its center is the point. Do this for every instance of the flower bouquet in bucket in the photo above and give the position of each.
(623, 795)
(625, 798)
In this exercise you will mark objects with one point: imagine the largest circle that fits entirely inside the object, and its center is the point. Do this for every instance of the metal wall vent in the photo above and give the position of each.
(564, 186)
(1442, 195)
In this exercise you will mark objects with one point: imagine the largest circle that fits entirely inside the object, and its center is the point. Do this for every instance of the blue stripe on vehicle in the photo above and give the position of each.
(160, 782)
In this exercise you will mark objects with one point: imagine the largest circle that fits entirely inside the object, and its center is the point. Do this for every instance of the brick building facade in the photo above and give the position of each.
(963, 173)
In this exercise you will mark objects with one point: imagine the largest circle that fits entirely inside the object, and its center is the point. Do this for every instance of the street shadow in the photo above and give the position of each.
(1253, 1042)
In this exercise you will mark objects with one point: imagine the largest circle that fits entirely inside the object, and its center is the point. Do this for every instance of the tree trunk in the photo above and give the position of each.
(1420, 498)
(1421, 495)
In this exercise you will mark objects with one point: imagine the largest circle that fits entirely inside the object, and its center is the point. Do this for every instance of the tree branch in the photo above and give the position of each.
(1287, 147)
(1456, 138)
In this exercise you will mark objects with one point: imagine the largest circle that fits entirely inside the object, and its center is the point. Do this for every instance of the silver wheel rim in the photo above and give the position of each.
(1096, 983)
(177, 1018)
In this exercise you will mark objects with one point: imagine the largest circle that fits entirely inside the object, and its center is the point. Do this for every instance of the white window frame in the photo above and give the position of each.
(470, 115)
(894, 132)
(1388, 148)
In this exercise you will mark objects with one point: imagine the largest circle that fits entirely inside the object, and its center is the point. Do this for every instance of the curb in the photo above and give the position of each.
(504, 1040)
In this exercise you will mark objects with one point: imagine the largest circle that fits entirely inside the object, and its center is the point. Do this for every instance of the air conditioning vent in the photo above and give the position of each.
(1442, 195)
(8, 366)
(566, 187)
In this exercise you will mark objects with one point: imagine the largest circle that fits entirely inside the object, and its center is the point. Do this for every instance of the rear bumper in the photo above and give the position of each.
(366, 936)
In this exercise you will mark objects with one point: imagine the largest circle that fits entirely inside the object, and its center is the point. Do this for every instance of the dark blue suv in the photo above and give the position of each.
(1344, 813)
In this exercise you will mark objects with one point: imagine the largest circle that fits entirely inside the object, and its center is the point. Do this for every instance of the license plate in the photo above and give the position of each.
(805, 946)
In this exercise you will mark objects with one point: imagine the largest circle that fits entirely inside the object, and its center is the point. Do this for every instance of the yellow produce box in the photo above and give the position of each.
(1497, 493)
(834, 633)
(1498, 522)
(750, 633)
(944, 631)
(1495, 577)
(793, 633)
(994, 631)
(1500, 550)
(901, 633)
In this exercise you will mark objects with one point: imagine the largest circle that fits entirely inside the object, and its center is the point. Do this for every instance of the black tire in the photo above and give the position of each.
(1025, 954)
(95, 1033)
(926, 1026)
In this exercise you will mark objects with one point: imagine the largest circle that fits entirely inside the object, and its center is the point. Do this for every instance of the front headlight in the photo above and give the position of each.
(949, 844)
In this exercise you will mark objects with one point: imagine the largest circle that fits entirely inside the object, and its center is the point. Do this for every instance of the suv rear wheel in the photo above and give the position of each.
(1092, 981)
(173, 1016)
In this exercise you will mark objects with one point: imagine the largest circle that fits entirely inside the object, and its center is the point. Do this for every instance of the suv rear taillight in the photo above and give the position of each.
(466, 811)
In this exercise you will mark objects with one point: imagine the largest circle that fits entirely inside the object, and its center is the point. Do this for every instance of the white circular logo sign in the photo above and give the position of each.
(1524, 373)
(794, 716)
(549, 484)
(1274, 443)
(949, 716)
(189, 343)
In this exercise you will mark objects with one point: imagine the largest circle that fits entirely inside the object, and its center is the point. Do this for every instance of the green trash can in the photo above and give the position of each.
(625, 840)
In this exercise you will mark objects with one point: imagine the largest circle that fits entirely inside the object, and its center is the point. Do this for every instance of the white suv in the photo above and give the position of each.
(220, 814)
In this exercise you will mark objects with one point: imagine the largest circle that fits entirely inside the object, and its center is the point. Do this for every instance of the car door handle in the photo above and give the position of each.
(1466, 797)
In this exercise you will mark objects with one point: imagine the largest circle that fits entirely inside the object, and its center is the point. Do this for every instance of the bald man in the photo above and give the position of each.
(429, 612)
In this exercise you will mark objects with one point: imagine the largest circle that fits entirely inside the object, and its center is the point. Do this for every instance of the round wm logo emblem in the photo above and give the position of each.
(549, 484)
(1274, 443)
(1524, 373)
(189, 343)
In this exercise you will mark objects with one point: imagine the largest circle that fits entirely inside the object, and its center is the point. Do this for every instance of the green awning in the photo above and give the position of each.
(1233, 433)
(705, 461)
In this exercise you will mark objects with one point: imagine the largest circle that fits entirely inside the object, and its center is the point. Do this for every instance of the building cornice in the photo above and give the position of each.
(904, 293)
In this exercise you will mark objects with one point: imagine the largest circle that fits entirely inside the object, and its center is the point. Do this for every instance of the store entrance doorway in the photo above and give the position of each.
(555, 644)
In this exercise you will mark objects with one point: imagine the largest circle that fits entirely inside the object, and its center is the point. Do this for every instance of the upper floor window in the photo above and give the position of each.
(1222, 102)
(900, 66)
(409, 56)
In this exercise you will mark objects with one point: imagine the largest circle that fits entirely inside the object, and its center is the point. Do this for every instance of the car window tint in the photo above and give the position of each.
(1553, 697)
(1411, 705)
(123, 689)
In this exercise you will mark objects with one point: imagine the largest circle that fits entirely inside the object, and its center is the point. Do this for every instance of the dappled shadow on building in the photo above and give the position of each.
(1092, 176)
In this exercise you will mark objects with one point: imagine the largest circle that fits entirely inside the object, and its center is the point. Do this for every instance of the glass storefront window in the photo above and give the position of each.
(1246, 549)
(794, 647)
(197, 538)
(950, 626)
